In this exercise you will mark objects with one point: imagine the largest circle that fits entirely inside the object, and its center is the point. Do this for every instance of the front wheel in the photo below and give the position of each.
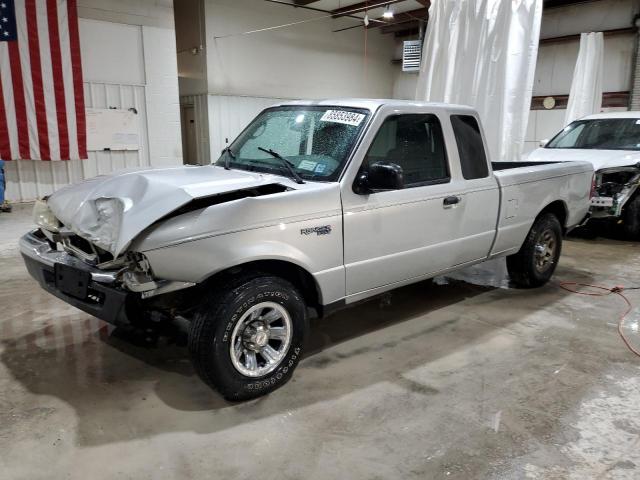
(538, 257)
(631, 219)
(247, 339)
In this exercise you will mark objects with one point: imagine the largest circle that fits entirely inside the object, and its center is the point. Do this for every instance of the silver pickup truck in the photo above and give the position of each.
(316, 205)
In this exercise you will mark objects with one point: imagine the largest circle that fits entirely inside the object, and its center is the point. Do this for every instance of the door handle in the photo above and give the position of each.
(449, 202)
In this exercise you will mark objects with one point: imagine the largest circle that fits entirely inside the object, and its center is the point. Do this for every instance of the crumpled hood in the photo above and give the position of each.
(598, 158)
(145, 196)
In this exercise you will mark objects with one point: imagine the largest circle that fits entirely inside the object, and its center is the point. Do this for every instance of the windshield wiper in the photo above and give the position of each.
(230, 155)
(285, 162)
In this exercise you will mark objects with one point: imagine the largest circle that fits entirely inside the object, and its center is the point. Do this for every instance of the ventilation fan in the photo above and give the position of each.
(411, 54)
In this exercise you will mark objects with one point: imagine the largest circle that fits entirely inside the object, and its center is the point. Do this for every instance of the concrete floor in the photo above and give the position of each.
(462, 379)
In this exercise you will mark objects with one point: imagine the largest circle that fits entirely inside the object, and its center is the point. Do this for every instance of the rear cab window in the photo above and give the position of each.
(473, 158)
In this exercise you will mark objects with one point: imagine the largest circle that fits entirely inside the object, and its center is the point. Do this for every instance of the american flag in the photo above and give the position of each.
(42, 115)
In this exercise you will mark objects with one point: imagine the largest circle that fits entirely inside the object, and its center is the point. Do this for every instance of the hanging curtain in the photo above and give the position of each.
(585, 96)
(483, 53)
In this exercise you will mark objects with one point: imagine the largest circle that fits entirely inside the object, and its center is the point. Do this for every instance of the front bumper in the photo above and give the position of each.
(103, 299)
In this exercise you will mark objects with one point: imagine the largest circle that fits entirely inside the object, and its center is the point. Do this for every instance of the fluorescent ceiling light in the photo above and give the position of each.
(388, 13)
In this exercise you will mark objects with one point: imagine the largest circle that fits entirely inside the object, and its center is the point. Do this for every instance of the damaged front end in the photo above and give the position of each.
(119, 290)
(614, 187)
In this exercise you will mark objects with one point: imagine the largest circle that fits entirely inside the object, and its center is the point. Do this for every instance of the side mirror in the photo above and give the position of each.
(543, 142)
(379, 177)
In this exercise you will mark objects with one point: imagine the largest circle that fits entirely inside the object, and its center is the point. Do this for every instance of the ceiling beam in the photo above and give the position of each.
(411, 32)
(304, 2)
(363, 6)
(313, 9)
(401, 27)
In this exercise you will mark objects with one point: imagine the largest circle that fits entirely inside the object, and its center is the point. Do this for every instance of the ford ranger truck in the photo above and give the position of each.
(314, 206)
(611, 143)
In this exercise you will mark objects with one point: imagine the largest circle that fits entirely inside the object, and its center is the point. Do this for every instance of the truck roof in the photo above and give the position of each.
(374, 103)
(602, 116)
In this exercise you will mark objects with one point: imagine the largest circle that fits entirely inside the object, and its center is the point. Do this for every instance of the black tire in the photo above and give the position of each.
(523, 267)
(213, 326)
(631, 219)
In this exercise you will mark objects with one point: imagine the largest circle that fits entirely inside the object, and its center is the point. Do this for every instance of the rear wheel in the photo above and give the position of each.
(248, 338)
(538, 257)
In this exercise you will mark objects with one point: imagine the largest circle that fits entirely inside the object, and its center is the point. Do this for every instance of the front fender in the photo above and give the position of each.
(298, 243)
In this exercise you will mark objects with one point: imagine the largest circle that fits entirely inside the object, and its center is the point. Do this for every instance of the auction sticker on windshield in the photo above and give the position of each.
(343, 116)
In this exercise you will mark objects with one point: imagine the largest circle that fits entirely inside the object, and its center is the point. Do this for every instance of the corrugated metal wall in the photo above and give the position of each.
(31, 179)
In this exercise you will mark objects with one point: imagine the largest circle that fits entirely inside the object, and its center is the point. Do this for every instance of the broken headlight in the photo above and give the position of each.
(44, 217)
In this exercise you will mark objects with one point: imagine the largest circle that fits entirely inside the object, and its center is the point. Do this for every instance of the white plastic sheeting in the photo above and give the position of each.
(585, 96)
(483, 53)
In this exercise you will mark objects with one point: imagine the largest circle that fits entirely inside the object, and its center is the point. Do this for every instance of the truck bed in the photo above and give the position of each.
(517, 173)
(527, 186)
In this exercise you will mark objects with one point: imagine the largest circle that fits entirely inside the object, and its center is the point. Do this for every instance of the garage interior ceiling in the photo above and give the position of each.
(408, 17)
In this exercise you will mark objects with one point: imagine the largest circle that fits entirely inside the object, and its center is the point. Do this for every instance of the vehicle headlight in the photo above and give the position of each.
(106, 228)
(44, 217)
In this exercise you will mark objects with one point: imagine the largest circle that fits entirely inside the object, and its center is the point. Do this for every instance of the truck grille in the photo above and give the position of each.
(85, 250)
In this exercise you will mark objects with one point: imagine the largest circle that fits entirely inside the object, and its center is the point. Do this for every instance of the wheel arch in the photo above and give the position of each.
(560, 210)
(300, 277)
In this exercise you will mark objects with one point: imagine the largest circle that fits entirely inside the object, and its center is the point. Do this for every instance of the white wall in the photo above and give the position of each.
(124, 65)
(404, 83)
(543, 124)
(300, 61)
(229, 115)
(152, 13)
(190, 28)
(556, 61)
(163, 103)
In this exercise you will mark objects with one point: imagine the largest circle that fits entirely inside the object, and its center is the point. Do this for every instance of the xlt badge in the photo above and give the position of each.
(322, 230)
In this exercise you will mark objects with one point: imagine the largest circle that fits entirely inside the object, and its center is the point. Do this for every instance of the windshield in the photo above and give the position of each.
(602, 134)
(316, 141)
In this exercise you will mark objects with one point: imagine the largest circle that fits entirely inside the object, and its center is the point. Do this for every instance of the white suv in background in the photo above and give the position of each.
(611, 142)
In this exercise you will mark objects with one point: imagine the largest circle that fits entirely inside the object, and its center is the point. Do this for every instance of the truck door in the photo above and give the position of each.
(426, 227)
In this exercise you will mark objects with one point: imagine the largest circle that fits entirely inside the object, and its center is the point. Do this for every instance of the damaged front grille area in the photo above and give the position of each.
(612, 183)
(614, 188)
(85, 250)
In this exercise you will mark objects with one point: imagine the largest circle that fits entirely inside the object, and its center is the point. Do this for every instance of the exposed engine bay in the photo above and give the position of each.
(614, 187)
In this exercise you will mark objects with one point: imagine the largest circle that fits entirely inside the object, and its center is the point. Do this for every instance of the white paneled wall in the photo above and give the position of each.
(121, 97)
(228, 115)
(543, 124)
